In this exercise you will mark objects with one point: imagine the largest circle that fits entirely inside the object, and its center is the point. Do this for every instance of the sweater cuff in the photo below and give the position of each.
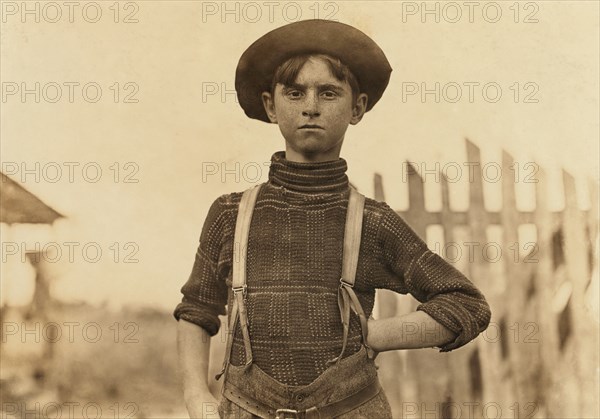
(455, 318)
(202, 316)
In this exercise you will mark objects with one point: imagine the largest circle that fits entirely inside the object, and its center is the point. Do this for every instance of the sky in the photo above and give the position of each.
(144, 114)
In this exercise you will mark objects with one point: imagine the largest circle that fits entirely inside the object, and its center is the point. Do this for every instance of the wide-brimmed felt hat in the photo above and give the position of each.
(254, 73)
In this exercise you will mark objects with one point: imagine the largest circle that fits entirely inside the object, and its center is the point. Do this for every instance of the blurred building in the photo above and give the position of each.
(26, 224)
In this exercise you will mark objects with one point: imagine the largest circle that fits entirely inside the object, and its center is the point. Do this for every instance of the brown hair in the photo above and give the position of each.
(287, 72)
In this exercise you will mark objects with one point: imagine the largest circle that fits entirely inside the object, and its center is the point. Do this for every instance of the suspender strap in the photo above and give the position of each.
(354, 219)
(240, 246)
(347, 298)
(232, 322)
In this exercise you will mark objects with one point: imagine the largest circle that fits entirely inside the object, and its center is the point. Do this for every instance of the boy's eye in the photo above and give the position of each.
(329, 94)
(294, 94)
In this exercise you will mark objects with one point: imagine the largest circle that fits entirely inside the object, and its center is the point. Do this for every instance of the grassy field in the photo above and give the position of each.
(91, 362)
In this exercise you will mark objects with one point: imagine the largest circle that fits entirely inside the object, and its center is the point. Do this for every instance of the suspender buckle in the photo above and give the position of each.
(241, 289)
(286, 414)
(345, 283)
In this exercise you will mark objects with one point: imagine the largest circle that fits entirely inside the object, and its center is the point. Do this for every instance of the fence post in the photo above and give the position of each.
(487, 352)
(584, 340)
(545, 284)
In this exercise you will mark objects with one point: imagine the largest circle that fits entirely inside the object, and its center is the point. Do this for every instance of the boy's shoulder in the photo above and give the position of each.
(380, 208)
(230, 202)
(234, 198)
(379, 218)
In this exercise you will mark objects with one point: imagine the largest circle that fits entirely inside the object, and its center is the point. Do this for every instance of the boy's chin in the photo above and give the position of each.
(309, 141)
(309, 148)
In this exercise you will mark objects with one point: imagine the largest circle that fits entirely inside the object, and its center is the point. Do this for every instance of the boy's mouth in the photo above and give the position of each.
(311, 126)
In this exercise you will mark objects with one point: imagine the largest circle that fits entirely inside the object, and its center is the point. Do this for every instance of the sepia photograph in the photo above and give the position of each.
(299, 209)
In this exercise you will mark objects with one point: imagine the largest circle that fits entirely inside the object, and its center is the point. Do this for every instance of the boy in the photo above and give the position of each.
(295, 349)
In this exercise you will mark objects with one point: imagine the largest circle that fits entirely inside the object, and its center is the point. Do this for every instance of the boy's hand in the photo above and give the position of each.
(193, 343)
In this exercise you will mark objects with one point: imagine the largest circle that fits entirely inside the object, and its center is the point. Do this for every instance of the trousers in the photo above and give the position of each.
(336, 383)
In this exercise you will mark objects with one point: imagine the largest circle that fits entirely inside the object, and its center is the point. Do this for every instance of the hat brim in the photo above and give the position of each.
(254, 73)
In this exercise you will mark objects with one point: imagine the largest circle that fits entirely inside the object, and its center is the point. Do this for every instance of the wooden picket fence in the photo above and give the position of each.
(539, 356)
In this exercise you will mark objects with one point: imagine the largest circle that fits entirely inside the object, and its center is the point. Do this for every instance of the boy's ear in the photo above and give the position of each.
(359, 109)
(269, 104)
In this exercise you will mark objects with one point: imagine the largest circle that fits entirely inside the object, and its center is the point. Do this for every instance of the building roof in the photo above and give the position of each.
(18, 205)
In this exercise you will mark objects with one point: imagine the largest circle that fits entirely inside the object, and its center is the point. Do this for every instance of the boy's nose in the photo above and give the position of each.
(311, 114)
(311, 106)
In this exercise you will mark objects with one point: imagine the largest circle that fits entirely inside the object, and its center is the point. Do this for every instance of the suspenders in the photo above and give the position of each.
(347, 299)
(238, 281)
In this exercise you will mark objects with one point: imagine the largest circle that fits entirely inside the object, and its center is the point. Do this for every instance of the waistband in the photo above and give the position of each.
(336, 383)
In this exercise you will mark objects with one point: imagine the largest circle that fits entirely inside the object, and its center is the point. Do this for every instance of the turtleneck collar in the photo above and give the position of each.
(313, 177)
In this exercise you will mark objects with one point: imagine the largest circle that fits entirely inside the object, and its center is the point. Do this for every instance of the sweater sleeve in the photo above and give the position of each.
(204, 294)
(444, 292)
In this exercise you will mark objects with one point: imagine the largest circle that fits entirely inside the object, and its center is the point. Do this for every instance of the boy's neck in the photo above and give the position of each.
(311, 177)
(330, 155)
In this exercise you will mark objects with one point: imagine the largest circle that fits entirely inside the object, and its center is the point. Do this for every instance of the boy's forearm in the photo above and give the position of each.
(193, 344)
(411, 331)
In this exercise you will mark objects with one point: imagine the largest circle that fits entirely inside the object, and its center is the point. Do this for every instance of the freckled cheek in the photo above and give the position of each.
(335, 116)
(288, 111)
(287, 125)
(287, 119)
(339, 109)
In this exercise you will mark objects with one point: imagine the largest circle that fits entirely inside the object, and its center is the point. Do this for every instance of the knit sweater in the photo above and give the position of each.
(294, 263)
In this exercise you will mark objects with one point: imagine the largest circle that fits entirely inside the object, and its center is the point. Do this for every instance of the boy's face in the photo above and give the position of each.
(314, 113)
